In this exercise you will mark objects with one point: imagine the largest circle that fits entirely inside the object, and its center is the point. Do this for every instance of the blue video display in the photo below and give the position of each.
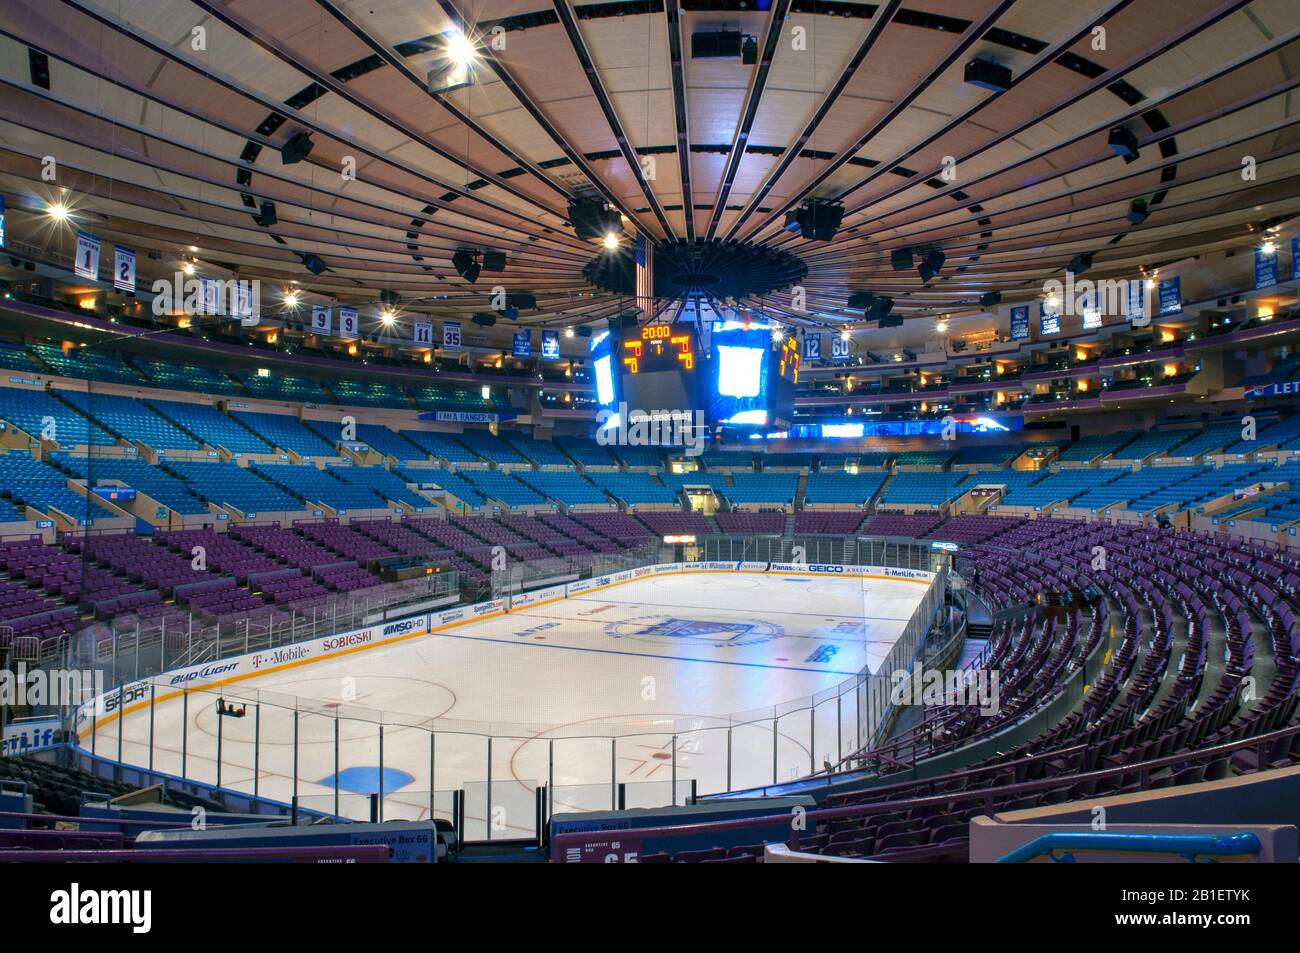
(738, 374)
(602, 369)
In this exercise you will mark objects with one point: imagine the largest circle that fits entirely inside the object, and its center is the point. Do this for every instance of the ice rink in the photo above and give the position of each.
(584, 693)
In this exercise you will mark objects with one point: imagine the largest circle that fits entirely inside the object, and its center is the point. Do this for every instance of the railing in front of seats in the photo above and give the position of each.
(1188, 846)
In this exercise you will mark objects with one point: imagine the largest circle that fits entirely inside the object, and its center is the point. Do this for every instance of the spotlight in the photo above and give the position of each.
(778, 334)
(1268, 247)
(58, 211)
(290, 300)
(610, 241)
(459, 49)
(879, 309)
(297, 148)
(390, 299)
(464, 262)
(1080, 264)
(38, 67)
(861, 300)
(388, 317)
(188, 267)
(568, 332)
(990, 298)
(900, 259)
(941, 327)
(453, 68)
(523, 300)
(846, 335)
(266, 216)
(494, 261)
(1137, 211)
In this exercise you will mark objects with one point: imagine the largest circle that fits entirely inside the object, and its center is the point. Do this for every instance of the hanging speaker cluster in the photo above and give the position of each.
(714, 267)
(592, 218)
(469, 265)
(931, 264)
(816, 220)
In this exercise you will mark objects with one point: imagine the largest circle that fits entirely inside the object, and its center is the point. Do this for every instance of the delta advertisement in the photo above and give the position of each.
(522, 599)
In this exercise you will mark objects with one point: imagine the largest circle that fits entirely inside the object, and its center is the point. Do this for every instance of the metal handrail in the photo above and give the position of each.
(1189, 846)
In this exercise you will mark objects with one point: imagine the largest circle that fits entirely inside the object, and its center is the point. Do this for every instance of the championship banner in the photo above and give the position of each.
(1135, 302)
(422, 332)
(1090, 310)
(123, 269)
(1171, 296)
(1020, 323)
(1049, 319)
(1265, 269)
(812, 347)
(551, 345)
(451, 334)
(523, 346)
(321, 319)
(87, 263)
(348, 326)
(2, 221)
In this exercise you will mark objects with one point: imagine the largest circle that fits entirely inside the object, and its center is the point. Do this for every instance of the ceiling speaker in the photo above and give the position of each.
(463, 261)
(296, 149)
(1124, 143)
(986, 74)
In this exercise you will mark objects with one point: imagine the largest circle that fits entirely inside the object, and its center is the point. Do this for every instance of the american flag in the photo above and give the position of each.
(645, 270)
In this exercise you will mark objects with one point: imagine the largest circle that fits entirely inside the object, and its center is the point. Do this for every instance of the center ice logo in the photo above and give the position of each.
(657, 628)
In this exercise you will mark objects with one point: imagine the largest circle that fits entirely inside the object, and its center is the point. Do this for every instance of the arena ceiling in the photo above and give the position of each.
(166, 119)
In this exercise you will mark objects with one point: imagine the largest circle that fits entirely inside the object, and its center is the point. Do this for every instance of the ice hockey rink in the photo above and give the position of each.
(580, 693)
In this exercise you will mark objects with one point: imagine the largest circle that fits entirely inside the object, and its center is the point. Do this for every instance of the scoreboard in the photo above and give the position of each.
(746, 380)
(657, 371)
(659, 347)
